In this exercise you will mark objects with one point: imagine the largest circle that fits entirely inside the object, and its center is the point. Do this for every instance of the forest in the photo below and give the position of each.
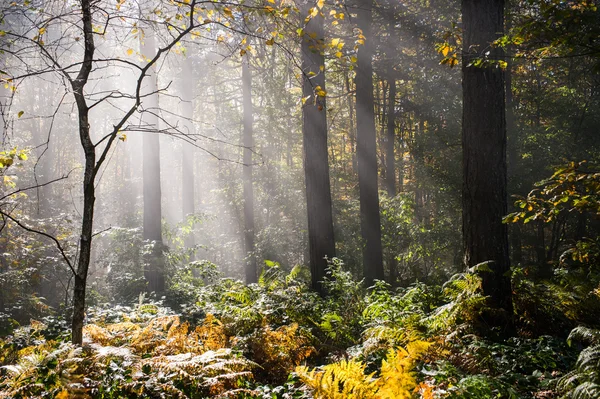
(300, 199)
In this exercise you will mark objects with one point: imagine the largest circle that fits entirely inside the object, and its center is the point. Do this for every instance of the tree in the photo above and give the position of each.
(152, 228)
(92, 20)
(366, 149)
(484, 201)
(247, 140)
(390, 173)
(187, 167)
(321, 241)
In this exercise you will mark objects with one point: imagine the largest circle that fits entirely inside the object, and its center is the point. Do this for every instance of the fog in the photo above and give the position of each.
(173, 174)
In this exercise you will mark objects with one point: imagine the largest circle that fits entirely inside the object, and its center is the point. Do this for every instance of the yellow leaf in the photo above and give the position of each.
(332, 12)
(41, 31)
(320, 4)
(313, 12)
(334, 42)
(130, 51)
(339, 54)
(445, 50)
(270, 42)
(64, 394)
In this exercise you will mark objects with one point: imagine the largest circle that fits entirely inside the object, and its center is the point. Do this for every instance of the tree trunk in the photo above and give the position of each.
(154, 272)
(85, 240)
(391, 136)
(248, 142)
(484, 202)
(351, 128)
(367, 151)
(187, 172)
(391, 160)
(316, 168)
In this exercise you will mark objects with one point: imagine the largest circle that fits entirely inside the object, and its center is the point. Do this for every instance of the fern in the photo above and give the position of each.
(157, 358)
(585, 335)
(347, 379)
(584, 381)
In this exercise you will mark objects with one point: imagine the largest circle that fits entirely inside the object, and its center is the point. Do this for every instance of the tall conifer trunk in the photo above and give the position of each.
(484, 201)
(367, 150)
(316, 168)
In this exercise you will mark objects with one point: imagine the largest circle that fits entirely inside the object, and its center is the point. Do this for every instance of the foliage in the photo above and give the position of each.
(572, 188)
(244, 341)
(584, 381)
(139, 356)
(347, 379)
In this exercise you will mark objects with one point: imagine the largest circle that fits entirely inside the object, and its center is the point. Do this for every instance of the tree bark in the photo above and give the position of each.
(484, 201)
(248, 142)
(85, 240)
(366, 150)
(316, 168)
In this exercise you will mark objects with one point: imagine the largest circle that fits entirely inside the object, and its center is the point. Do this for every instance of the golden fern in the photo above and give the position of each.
(176, 362)
(347, 379)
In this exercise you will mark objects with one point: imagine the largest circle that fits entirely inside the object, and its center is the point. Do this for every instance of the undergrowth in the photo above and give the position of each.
(276, 339)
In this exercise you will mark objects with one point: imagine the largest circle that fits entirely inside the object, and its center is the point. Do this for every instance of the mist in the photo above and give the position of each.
(257, 186)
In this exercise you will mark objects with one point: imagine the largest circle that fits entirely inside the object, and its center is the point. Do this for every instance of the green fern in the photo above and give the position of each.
(584, 381)
(585, 335)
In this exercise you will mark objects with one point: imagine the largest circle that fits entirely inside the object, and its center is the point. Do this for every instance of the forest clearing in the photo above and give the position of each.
(300, 199)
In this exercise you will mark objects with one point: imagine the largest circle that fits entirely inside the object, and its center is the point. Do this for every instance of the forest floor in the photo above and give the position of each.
(277, 339)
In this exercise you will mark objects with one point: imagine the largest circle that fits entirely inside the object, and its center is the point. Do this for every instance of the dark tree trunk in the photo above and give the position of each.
(316, 168)
(367, 151)
(248, 142)
(187, 172)
(512, 150)
(484, 200)
(85, 240)
(154, 272)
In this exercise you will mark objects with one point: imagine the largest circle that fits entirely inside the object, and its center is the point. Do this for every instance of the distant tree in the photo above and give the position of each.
(248, 143)
(187, 84)
(484, 201)
(152, 227)
(321, 242)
